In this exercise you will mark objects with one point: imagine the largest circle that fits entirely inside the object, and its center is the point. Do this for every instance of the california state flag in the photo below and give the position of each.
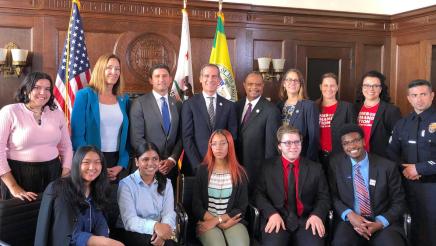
(220, 56)
(183, 84)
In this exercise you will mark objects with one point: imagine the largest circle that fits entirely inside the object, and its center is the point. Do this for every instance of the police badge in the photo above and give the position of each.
(432, 127)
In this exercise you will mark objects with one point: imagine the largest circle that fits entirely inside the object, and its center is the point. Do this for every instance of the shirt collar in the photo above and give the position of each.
(253, 103)
(138, 179)
(158, 96)
(285, 162)
(365, 160)
(207, 96)
(426, 113)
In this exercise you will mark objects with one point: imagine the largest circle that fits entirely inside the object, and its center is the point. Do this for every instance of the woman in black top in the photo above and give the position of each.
(376, 114)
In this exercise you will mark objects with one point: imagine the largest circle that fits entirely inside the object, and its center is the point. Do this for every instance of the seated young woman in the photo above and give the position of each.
(220, 194)
(71, 208)
(146, 202)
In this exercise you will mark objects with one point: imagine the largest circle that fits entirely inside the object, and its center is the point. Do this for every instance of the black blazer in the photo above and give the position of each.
(344, 114)
(56, 219)
(312, 189)
(257, 139)
(387, 195)
(306, 119)
(385, 118)
(196, 129)
(238, 201)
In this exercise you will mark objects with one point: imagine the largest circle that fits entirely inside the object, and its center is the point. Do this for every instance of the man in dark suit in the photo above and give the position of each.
(413, 145)
(154, 117)
(367, 194)
(292, 195)
(201, 115)
(258, 121)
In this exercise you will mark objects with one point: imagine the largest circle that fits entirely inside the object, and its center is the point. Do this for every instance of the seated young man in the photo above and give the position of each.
(367, 194)
(292, 195)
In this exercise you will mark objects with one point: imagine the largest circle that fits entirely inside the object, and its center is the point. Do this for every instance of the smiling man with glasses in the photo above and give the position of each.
(367, 195)
(292, 195)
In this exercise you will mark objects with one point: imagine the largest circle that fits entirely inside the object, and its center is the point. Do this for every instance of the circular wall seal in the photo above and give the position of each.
(147, 50)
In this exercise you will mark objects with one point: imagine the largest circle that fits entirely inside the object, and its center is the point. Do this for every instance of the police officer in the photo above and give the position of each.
(413, 144)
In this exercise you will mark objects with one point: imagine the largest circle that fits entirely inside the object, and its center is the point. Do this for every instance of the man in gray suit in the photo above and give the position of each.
(258, 121)
(154, 117)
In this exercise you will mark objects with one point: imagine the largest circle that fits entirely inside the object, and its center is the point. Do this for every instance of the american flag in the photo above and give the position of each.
(74, 70)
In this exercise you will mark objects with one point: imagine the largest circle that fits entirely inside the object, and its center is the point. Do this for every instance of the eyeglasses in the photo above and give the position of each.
(354, 141)
(290, 143)
(289, 80)
(218, 144)
(366, 86)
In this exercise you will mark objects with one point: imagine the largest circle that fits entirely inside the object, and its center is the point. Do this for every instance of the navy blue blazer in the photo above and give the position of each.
(196, 129)
(306, 119)
(85, 123)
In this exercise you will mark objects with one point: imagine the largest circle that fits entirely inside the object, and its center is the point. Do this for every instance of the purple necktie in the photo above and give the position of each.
(247, 114)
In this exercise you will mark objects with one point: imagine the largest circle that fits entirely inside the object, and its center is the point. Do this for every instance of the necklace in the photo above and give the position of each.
(36, 114)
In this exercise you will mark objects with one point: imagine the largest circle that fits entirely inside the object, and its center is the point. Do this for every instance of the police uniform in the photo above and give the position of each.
(414, 141)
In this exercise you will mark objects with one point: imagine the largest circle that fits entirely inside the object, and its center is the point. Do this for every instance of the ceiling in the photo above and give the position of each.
(386, 7)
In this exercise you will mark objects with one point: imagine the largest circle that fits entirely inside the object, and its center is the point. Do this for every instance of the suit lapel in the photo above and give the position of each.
(174, 116)
(296, 112)
(278, 180)
(218, 111)
(377, 118)
(339, 110)
(348, 176)
(95, 106)
(372, 175)
(254, 113)
(153, 104)
(201, 104)
(240, 109)
(303, 170)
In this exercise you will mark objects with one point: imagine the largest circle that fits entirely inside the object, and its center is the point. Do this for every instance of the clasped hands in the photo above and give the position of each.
(162, 232)
(275, 223)
(211, 221)
(362, 226)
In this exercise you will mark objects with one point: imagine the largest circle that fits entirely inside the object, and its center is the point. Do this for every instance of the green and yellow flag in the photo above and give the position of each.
(220, 57)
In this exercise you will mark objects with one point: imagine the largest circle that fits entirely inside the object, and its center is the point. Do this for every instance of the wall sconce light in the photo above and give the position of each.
(12, 60)
(264, 68)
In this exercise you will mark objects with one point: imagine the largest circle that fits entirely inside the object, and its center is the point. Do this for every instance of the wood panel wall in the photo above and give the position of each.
(145, 31)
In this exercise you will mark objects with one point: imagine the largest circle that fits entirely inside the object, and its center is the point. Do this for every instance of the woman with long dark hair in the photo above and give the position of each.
(220, 194)
(333, 114)
(299, 112)
(71, 208)
(376, 114)
(35, 147)
(146, 202)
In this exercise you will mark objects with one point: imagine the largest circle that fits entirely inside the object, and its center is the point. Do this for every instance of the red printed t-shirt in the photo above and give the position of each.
(296, 170)
(325, 119)
(365, 120)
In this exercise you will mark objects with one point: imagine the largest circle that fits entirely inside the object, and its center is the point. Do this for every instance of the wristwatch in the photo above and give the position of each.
(220, 219)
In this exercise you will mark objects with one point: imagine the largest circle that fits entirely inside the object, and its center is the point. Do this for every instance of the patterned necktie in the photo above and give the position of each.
(211, 112)
(247, 114)
(165, 116)
(291, 190)
(361, 192)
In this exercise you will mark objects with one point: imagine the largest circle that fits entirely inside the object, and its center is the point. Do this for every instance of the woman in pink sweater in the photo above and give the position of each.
(35, 147)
